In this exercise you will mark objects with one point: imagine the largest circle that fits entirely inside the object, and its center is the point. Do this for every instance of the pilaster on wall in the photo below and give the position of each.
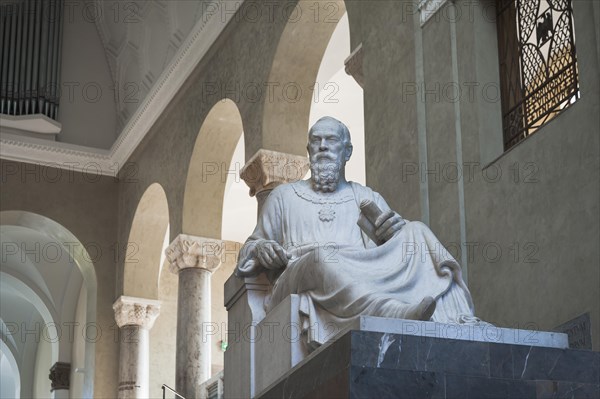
(391, 126)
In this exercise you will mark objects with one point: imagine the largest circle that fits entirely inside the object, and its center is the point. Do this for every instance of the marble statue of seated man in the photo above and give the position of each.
(308, 243)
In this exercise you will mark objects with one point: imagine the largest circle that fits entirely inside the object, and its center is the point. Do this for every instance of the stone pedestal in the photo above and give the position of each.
(244, 300)
(419, 360)
(279, 332)
(194, 259)
(268, 169)
(135, 317)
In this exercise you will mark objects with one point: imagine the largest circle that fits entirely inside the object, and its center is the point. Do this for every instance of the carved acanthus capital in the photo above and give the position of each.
(60, 376)
(354, 65)
(268, 169)
(194, 252)
(136, 311)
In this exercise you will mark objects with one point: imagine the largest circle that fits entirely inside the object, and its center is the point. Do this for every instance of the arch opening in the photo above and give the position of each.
(294, 73)
(341, 97)
(209, 168)
(142, 263)
(45, 268)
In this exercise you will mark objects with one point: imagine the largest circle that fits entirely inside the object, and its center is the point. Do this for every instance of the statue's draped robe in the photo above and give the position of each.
(339, 273)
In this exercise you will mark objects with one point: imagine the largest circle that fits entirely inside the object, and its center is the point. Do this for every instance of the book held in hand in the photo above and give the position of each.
(369, 212)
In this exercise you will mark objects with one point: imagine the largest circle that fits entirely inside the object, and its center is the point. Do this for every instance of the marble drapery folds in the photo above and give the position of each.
(340, 273)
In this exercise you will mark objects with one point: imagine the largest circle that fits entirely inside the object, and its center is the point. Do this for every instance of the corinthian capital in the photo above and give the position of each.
(189, 251)
(136, 311)
(268, 169)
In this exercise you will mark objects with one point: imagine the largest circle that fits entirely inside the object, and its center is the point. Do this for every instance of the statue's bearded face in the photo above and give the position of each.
(325, 175)
(327, 152)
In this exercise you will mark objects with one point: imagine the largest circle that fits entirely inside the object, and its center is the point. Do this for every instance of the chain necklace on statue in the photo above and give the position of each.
(327, 210)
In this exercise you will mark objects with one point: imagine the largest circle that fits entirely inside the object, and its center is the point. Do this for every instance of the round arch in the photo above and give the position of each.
(144, 276)
(209, 167)
(342, 97)
(294, 72)
(143, 256)
(79, 255)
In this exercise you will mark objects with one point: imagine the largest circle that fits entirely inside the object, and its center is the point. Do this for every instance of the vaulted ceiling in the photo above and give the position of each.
(140, 39)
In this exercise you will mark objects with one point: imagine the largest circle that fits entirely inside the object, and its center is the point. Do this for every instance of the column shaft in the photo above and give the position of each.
(193, 344)
(135, 317)
(134, 362)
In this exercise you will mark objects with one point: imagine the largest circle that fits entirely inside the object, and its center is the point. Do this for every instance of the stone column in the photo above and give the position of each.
(59, 376)
(135, 317)
(194, 259)
(268, 169)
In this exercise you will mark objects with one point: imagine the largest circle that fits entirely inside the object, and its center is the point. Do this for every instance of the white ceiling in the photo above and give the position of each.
(138, 63)
(140, 39)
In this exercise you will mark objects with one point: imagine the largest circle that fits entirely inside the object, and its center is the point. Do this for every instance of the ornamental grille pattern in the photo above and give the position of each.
(538, 64)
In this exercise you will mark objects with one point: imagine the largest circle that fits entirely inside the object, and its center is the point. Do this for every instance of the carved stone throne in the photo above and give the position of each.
(261, 348)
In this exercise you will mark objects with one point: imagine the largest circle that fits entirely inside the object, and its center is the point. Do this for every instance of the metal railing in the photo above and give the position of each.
(166, 387)
(209, 389)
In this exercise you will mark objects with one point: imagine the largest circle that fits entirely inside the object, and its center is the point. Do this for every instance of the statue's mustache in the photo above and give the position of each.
(325, 155)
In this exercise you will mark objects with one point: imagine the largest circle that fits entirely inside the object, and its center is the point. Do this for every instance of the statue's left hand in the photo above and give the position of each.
(388, 224)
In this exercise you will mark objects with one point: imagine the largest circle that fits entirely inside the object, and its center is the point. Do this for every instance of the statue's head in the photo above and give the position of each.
(329, 148)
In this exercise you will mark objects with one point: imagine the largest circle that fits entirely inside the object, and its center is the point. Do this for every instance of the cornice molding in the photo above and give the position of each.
(80, 158)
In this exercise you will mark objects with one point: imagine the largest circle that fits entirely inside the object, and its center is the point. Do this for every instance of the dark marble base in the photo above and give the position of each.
(364, 364)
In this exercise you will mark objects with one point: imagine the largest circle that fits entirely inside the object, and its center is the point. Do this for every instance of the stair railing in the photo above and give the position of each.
(164, 389)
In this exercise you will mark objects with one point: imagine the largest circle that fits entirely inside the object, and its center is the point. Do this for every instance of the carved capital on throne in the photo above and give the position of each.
(268, 169)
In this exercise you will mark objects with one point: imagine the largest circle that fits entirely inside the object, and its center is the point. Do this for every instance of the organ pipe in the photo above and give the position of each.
(31, 45)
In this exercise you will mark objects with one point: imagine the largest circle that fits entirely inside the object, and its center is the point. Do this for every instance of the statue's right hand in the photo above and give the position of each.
(271, 255)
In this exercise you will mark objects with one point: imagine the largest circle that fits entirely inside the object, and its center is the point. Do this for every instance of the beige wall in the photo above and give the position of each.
(86, 205)
(542, 212)
(163, 335)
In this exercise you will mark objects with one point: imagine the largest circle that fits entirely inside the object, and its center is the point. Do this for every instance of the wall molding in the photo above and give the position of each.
(87, 159)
